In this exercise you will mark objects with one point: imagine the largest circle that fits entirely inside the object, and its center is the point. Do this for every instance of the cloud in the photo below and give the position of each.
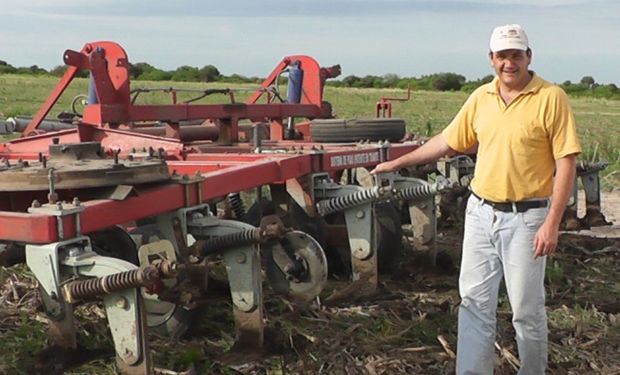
(270, 8)
(409, 38)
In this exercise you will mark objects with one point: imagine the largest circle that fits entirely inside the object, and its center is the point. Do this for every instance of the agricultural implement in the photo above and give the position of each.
(129, 203)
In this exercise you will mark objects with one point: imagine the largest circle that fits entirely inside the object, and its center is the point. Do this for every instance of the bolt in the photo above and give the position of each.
(59, 205)
(74, 251)
(359, 214)
(129, 356)
(76, 202)
(35, 204)
(121, 303)
(241, 258)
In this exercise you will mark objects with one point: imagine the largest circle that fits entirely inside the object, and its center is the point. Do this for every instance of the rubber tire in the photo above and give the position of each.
(354, 130)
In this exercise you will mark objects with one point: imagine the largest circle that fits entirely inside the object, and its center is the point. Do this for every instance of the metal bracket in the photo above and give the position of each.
(60, 209)
(422, 212)
(361, 230)
(51, 263)
(44, 262)
(125, 310)
(173, 225)
(458, 169)
(243, 266)
(189, 181)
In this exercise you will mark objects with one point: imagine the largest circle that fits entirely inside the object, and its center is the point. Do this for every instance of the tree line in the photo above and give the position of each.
(587, 86)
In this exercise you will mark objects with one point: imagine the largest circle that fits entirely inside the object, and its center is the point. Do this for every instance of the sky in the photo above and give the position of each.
(569, 38)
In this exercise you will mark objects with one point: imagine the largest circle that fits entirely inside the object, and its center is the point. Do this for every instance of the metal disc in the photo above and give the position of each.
(309, 253)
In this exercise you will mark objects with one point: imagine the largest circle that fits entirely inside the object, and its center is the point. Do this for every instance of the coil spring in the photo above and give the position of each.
(419, 192)
(237, 205)
(341, 203)
(220, 243)
(81, 289)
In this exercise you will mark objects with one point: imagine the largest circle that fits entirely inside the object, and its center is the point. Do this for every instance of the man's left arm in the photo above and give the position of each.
(546, 239)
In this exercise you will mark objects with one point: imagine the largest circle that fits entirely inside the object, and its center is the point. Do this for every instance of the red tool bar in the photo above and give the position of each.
(29, 228)
(182, 112)
(219, 179)
(152, 201)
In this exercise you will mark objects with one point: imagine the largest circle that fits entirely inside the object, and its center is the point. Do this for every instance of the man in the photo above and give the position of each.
(525, 132)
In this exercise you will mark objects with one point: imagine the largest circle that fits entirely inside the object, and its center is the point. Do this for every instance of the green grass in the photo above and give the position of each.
(426, 113)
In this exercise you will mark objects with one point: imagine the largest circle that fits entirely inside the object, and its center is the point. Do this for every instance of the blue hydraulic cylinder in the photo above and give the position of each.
(295, 80)
(92, 93)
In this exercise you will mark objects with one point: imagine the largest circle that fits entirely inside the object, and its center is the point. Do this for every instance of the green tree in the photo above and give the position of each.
(209, 73)
(587, 81)
(155, 75)
(58, 70)
(447, 81)
(138, 69)
(390, 80)
(6, 68)
(186, 73)
(350, 81)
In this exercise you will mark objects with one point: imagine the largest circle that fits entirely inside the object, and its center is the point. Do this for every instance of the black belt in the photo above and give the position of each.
(521, 206)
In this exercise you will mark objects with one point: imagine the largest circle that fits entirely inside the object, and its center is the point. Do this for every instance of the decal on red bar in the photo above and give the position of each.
(353, 159)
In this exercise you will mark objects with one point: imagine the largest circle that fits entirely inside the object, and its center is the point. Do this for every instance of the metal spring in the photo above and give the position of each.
(219, 243)
(237, 205)
(341, 203)
(82, 289)
(419, 192)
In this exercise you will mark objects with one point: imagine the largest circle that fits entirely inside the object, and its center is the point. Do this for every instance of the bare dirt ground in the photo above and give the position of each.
(610, 203)
(408, 328)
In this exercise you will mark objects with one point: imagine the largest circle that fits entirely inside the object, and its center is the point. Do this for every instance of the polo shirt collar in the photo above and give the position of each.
(532, 87)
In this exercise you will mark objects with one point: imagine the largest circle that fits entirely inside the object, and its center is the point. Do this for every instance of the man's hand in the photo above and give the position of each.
(387, 166)
(546, 240)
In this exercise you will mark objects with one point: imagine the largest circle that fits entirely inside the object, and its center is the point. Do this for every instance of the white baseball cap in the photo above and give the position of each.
(508, 37)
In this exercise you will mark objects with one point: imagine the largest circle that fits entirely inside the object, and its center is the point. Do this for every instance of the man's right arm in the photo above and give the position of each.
(432, 150)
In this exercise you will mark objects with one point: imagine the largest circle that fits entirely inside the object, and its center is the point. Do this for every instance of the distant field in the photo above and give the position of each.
(427, 112)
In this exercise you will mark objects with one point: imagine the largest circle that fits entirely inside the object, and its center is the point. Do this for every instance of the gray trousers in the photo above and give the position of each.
(497, 244)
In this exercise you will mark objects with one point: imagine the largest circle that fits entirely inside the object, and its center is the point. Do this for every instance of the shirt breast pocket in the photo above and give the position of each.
(530, 138)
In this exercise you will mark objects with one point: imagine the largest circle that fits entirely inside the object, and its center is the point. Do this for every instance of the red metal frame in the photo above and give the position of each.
(384, 106)
(223, 168)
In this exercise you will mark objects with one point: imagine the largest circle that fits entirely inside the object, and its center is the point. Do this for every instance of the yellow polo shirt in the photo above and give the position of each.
(517, 144)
